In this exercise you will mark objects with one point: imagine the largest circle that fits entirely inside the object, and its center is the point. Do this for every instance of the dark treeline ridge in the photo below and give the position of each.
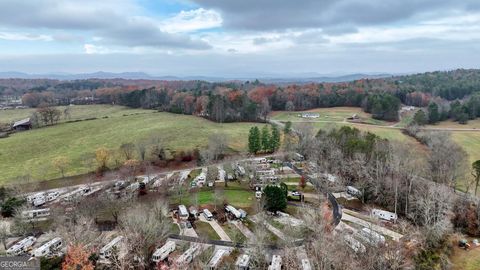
(253, 100)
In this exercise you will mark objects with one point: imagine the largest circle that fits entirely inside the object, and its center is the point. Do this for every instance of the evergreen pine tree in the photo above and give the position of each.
(254, 140)
(275, 139)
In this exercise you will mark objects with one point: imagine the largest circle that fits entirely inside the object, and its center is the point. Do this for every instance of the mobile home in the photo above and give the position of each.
(39, 201)
(207, 214)
(243, 262)
(276, 263)
(306, 264)
(48, 248)
(371, 237)
(188, 255)
(386, 215)
(22, 246)
(217, 258)
(182, 212)
(163, 252)
(51, 196)
(36, 213)
(232, 210)
(354, 244)
(353, 191)
(106, 251)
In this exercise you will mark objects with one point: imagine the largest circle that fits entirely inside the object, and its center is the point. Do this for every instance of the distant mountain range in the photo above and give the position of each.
(301, 79)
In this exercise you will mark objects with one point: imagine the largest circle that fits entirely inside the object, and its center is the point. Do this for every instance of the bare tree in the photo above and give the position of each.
(127, 149)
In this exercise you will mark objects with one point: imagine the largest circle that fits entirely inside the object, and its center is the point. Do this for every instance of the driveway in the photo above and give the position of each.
(242, 228)
(394, 235)
(218, 229)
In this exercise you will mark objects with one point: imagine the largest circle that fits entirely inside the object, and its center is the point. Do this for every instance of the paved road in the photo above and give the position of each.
(218, 229)
(243, 229)
(394, 235)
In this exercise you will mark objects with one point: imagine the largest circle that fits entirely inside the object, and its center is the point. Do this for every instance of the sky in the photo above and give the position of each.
(232, 38)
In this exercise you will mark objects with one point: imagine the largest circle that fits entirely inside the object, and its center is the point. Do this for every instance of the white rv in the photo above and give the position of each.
(353, 191)
(306, 265)
(354, 244)
(207, 214)
(371, 237)
(182, 212)
(276, 263)
(48, 248)
(386, 215)
(36, 213)
(216, 258)
(240, 170)
(188, 255)
(39, 201)
(106, 251)
(51, 196)
(221, 174)
(243, 262)
(162, 253)
(259, 160)
(233, 211)
(34, 197)
(22, 246)
(270, 172)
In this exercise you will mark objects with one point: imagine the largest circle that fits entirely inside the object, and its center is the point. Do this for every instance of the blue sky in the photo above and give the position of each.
(239, 38)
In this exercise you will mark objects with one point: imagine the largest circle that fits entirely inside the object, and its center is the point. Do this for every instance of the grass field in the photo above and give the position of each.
(475, 124)
(236, 196)
(337, 114)
(204, 229)
(31, 152)
(470, 141)
(76, 112)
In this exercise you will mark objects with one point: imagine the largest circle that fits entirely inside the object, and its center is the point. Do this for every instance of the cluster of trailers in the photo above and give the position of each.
(25, 246)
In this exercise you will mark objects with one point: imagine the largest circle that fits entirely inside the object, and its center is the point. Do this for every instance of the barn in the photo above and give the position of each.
(24, 124)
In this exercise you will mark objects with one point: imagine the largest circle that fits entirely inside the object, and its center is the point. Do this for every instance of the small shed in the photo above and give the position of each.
(24, 124)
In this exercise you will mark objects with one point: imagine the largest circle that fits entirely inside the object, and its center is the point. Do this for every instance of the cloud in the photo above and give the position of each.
(192, 20)
(110, 20)
(24, 37)
(287, 14)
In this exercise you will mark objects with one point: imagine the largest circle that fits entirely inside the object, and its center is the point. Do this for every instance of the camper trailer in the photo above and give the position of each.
(353, 191)
(216, 258)
(221, 174)
(371, 237)
(34, 197)
(39, 201)
(207, 214)
(239, 170)
(106, 251)
(232, 210)
(266, 173)
(51, 196)
(243, 262)
(306, 264)
(182, 212)
(354, 244)
(188, 255)
(36, 213)
(22, 246)
(163, 252)
(276, 263)
(385, 215)
(48, 248)
(259, 160)
(298, 157)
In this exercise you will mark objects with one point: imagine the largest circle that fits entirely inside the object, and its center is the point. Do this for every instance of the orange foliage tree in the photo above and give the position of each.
(77, 259)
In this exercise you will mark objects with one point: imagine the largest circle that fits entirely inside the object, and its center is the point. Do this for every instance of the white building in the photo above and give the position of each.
(306, 264)
(106, 251)
(243, 262)
(182, 212)
(36, 213)
(48, 248)
(217, 258)
(162, 253)
(276, 263)
(22, 246)
(386, 215)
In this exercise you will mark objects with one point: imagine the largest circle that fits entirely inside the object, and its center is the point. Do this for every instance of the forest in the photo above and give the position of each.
(453, 93)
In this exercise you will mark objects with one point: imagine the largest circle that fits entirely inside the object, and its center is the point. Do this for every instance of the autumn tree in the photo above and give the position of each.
(77, 258)
(61, 163)
(102, 155)
(127, 150)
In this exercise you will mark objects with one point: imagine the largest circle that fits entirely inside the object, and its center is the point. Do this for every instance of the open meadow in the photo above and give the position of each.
(32, 152)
